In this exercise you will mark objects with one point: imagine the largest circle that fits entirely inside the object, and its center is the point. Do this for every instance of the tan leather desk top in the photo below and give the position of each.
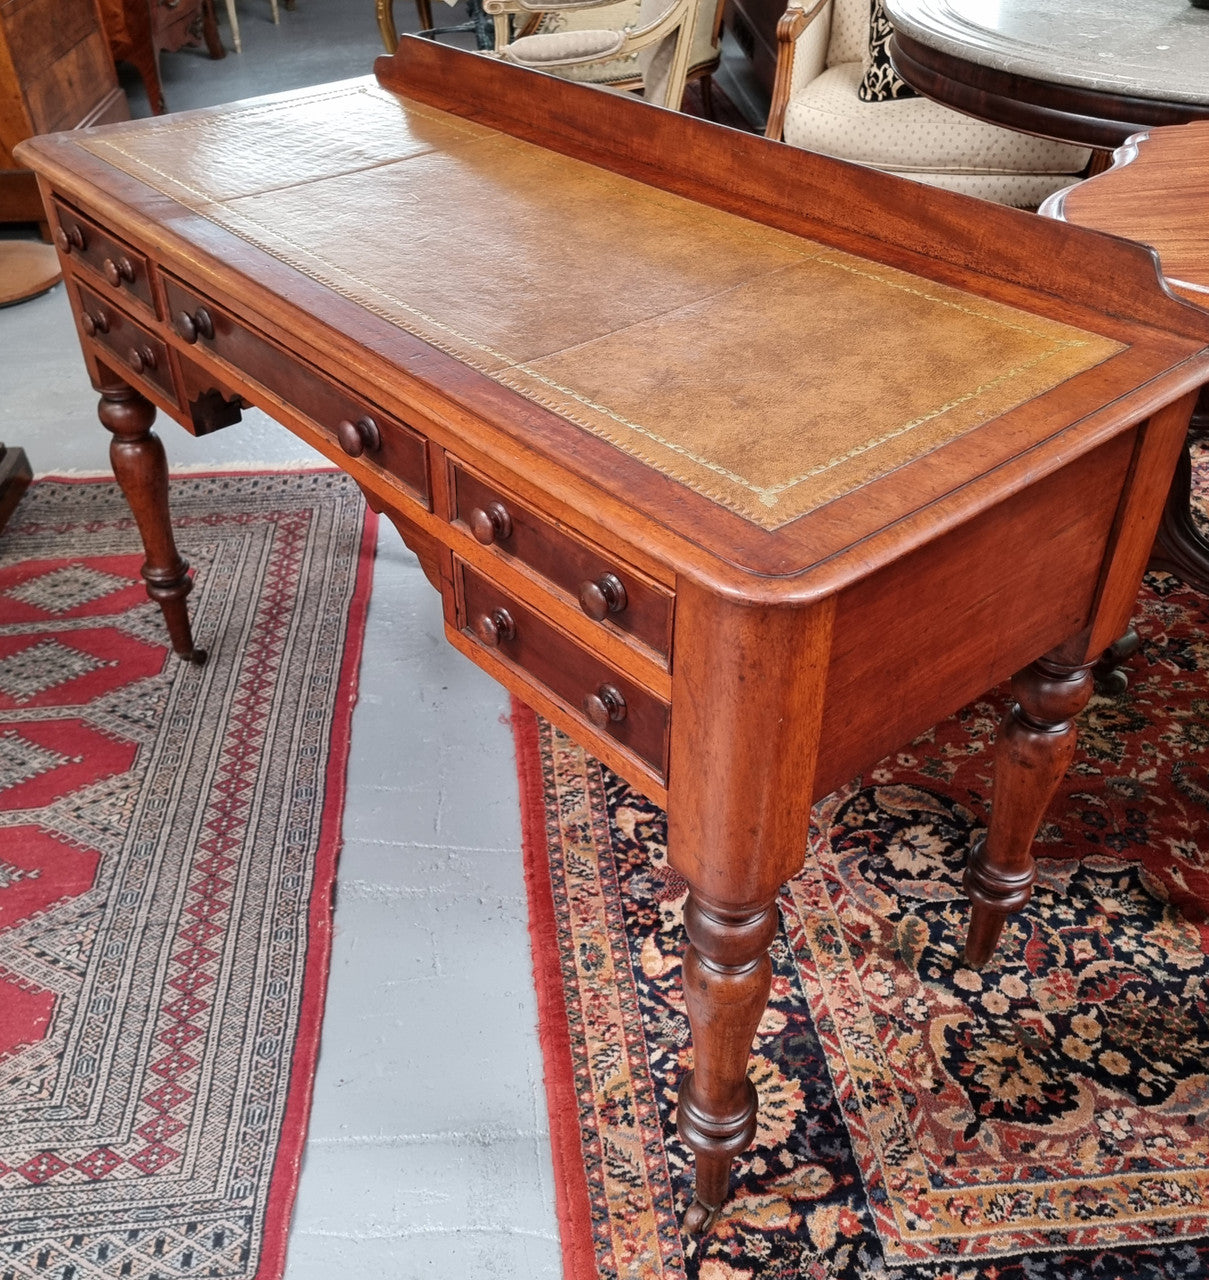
(768, 372)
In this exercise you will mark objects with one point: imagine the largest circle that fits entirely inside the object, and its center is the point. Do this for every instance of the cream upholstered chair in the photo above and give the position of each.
(659, 43)
(828, 48)
(705, 45)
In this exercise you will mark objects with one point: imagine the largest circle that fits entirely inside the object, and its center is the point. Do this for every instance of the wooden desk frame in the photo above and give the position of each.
(793, 658)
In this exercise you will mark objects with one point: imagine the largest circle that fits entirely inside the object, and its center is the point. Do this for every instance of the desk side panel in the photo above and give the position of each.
(967, 611)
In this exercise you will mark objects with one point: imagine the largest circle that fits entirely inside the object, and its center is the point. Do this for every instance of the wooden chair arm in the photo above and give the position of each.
(386, 24)
(792, 23)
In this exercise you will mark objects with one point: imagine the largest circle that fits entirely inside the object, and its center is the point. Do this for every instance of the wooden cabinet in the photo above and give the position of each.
(56, 72)
(140, 30)
(753, 23)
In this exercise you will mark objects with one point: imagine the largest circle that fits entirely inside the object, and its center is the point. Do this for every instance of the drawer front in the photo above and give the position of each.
(359, 428)
(138, 354)
(174, 23)
(607, 590)
(121, 267)
(622, 710)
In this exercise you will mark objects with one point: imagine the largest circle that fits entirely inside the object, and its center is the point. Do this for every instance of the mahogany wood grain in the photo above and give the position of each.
(571, 673)
(1155, 192)
(781, 674)
(564, 561)
(390, 445)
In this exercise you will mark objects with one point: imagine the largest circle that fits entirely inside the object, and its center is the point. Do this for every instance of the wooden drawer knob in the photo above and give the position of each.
(494, 628)
(118, 271)
(94, 322)
(192, 326)
(606, 706)
(604, 596)
(359, 437)
(69, 238)
(141, 359)
(490, 523)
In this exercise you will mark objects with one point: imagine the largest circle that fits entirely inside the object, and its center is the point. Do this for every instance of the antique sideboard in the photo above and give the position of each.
(741, 464)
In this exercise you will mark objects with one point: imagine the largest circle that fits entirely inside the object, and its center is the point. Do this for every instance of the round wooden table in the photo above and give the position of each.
(1088, 73)
(1092, 74)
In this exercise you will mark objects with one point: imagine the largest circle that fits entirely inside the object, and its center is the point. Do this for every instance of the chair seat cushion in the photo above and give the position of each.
(913, 135)
(563, 46)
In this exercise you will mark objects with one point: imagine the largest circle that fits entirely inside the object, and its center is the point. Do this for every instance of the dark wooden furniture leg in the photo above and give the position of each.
(214, 44)
(748, 691)
(1180, 547)
(1034, 751)
(727, 978)
(15, 475)
(141, 469)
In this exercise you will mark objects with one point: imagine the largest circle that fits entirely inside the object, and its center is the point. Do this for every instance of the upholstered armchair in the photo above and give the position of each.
(658, 44)
(836, 93)
(705, 44)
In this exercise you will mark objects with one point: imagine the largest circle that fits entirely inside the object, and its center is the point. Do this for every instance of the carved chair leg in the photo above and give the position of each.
(727, 977)
(1034, 751)
(141, 469)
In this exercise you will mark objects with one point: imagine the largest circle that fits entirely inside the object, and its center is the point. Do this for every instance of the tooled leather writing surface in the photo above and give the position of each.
(768, 372)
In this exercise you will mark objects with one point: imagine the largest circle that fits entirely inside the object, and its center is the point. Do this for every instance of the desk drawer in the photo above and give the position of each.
(359, 428)
(139, 355)
(599, 695)
(120, 266)
(606, 589)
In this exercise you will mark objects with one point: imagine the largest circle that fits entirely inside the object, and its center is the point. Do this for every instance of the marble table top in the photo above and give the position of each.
(1142, 48)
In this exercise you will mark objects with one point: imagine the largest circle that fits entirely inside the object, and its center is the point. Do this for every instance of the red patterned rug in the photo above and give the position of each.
(168, 837)
(1048, 1117)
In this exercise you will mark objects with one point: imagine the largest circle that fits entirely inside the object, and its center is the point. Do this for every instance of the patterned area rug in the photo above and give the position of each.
(1048, 1117)
(168, 836)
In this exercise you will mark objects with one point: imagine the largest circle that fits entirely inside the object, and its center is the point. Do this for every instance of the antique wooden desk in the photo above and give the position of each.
(742, 465)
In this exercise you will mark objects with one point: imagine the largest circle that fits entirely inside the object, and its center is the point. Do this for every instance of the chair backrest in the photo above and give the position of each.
(664, 64)
(850, 21)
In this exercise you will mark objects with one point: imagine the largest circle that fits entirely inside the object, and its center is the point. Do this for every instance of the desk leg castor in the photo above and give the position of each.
(1110, 674)
(1035, 747)
(727, 978)
(141, 469)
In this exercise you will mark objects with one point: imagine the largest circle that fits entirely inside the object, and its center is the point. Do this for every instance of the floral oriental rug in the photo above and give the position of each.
(168, 838)
(1048, 1117)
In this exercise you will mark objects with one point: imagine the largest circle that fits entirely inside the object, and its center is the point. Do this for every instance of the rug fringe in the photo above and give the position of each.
(572, 1202)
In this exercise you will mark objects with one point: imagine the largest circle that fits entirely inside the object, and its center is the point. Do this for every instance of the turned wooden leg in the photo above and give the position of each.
(139, 464)
(748, 690)
(1032, 755)
(1180, 547)
(214, 45)
(727, 976)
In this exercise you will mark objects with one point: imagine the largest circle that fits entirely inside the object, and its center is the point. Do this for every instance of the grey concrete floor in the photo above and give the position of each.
(428, 1149)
